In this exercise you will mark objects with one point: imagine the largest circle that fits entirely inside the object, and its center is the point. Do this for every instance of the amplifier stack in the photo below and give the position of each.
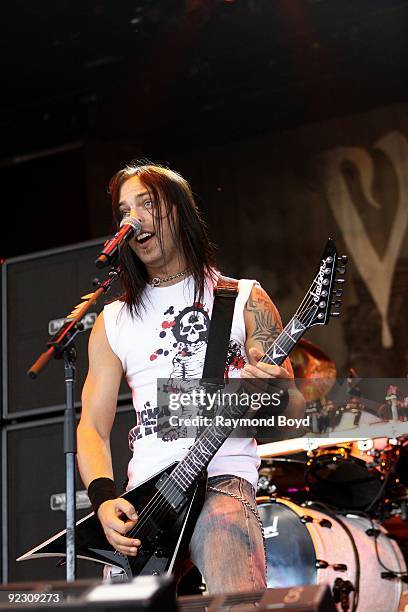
(37, 292)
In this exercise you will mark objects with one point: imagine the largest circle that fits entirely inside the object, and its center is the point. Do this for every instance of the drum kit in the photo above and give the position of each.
(325, 514)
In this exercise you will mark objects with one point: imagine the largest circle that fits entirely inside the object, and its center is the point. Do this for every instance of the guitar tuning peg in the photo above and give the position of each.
(96, 282)
(338, 292)
(343, 259)
(334, 314)
(339, 281)
(341, 269)
(336, 303)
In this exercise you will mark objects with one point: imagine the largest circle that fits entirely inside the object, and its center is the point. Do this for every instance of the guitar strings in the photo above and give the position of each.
(309, 302)
(163, 505)
(306, 303)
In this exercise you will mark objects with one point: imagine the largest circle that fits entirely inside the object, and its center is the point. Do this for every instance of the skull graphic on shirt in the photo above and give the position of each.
(191, 331)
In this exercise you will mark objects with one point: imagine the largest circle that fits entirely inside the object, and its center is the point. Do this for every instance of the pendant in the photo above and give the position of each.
(155, 282)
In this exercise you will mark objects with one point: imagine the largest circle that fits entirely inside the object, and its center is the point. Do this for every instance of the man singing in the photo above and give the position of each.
(159, 329)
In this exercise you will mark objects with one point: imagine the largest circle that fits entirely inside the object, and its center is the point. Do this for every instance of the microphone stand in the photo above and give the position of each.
(61, 347)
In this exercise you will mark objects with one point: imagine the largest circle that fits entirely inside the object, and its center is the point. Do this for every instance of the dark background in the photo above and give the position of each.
(87, 86)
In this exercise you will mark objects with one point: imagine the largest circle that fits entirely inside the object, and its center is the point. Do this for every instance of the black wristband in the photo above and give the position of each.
(100, 490)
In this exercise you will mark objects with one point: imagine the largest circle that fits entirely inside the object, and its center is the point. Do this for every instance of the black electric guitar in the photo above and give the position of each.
(168, 503)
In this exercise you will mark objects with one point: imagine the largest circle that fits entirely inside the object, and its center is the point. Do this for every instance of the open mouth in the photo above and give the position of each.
(144, 237)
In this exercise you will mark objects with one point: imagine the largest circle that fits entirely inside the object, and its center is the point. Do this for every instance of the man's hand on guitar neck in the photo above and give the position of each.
(258, 369)
(258, 379)
(263, 325)
(118, 517)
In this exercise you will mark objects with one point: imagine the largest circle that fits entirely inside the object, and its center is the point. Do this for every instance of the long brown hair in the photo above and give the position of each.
(171, 190)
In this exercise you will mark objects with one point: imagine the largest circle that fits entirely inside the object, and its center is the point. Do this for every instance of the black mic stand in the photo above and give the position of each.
(61, 347)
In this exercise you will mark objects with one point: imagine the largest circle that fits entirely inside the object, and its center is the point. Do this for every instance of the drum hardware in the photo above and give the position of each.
(282, 477)
(394, 576)
(306, 518)
(310, 444)
(265, 486)
(338, 567)
(341, 593)
(365, 445)
(404, 509)
(346, 587)
(388, 574)
(372, 532)
(401, 451)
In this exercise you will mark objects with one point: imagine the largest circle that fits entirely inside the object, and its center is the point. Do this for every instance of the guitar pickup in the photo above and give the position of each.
(171, 492)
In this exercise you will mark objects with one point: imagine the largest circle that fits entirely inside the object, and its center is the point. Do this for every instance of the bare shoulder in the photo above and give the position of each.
(98, 339)
(98, 333)
(259, 299)
(100, 354)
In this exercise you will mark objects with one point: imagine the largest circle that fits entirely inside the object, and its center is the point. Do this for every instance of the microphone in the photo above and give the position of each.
(129, 226)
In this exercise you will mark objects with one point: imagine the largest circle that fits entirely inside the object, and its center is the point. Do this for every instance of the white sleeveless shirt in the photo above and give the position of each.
(163, 343)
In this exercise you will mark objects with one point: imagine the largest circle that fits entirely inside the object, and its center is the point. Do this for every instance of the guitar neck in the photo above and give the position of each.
(214, 435)
(285, 342)
(205, 447)
(315, 309)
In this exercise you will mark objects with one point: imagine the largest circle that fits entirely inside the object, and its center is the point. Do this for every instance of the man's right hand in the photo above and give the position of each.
(118, 517)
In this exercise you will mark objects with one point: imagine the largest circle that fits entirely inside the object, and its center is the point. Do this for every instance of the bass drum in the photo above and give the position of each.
(306, 546)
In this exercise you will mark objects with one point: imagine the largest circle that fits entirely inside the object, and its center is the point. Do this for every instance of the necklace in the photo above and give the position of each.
(156, 281)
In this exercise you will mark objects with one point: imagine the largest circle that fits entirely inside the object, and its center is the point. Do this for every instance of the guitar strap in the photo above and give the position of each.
(225, 294)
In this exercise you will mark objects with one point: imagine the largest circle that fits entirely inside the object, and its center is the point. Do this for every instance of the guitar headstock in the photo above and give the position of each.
(323, 298)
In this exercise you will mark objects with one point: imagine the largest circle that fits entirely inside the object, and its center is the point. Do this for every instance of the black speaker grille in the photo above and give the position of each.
(40, 290)
(35, 471)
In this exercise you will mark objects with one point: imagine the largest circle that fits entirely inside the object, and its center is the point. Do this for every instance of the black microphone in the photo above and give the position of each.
(129, 226)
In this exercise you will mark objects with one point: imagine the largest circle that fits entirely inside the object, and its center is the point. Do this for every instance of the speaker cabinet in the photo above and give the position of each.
(37, 293)
(33, 493)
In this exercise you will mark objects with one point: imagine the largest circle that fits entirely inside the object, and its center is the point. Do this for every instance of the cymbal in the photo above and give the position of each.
(391, 429)
(314, 370)
(298, 445)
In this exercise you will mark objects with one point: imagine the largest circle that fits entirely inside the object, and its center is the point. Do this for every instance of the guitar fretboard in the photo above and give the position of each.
(205, 447)
(213, 436)
(285, 342)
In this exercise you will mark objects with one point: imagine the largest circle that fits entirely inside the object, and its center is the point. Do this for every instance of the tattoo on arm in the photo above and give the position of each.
(266, 328)
(266, 323)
